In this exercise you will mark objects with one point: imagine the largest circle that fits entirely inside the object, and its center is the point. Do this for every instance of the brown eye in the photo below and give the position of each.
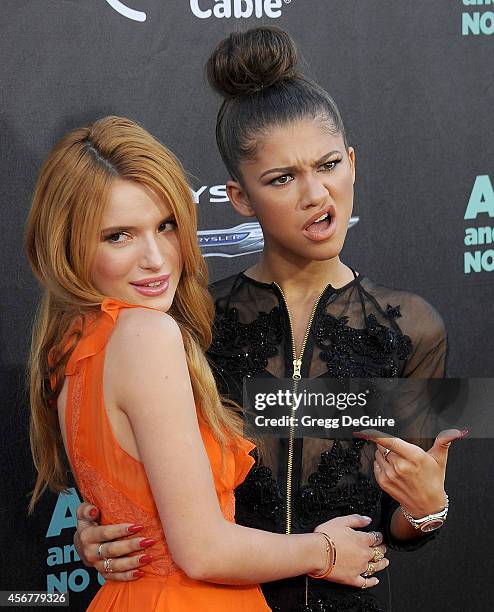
(115, 238)
(167, 226)
(282, 180)
(330, 165)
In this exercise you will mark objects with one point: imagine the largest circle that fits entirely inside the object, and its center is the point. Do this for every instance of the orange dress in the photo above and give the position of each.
(116, 482)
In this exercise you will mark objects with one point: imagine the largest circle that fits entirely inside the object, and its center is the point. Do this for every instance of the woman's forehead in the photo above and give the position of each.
(129, 200)
(307, 140)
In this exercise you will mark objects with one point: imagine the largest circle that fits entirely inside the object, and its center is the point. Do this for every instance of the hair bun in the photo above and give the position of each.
(247, 62)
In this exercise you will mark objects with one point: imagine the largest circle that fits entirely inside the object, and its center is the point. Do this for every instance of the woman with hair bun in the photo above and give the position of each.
(118, 353)
(301, 312)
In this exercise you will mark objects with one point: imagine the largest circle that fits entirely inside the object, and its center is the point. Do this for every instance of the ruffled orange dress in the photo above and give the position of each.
(116, 483)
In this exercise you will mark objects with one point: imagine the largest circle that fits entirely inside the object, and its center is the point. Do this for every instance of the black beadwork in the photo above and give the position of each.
(355, 334)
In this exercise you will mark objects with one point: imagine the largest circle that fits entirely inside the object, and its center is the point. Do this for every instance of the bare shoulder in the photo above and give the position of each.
(142, 336)
(136, 323)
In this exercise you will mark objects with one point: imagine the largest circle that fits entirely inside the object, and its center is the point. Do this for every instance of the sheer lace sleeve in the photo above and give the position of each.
(425, 328)
(429, 341)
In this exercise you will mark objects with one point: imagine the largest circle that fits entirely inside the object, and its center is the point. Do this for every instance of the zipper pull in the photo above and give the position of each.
(297, 364)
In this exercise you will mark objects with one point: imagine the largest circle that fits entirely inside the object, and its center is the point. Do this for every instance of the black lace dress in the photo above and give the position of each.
(360, 330)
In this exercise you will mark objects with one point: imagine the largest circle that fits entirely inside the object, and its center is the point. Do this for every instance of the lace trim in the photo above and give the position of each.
(116, 506)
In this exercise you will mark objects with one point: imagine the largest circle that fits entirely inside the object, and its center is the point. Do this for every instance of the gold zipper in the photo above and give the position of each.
(296, 376)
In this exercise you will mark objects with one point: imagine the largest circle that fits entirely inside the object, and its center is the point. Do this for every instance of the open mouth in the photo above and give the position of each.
(321, 224)
(321, 227)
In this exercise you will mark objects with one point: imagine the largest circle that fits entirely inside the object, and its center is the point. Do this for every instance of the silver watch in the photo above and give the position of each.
(429, 522)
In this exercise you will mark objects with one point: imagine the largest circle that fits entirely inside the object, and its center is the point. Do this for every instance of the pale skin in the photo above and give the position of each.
(144, 363)
(299, 171)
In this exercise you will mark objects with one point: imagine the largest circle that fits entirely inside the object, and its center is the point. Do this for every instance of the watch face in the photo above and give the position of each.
(431, 525)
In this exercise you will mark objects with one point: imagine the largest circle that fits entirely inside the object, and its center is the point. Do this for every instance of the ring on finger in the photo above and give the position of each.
(378, 555)
(100, 548)
(107, 565)
(377, 537)
(370, 569)
(385, 453)
(364, 584)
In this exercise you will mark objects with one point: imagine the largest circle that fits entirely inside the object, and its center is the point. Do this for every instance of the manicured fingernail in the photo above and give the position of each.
(145, 559)
(386, 562)
(366, 518)
(135, 528)
(93, 513)
(147, 542)
(377, 581)
(137, 573)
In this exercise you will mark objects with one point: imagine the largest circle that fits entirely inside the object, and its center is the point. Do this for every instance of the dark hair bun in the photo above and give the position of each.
(247, 62)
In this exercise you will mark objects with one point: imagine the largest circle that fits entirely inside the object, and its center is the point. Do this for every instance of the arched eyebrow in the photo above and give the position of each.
(109, 231)
(288, 169)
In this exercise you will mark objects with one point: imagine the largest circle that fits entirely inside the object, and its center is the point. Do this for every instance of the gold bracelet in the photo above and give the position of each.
(330, 557)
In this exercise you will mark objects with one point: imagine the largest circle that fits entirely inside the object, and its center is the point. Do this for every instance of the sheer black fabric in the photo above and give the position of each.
(361, 330)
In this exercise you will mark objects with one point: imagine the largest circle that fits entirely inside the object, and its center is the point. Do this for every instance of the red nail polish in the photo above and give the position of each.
(137, 573)
(93, 513)
(145, 559)
(135, 528)
(147, 542)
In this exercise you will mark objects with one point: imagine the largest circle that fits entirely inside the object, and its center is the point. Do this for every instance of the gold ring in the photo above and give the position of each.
(378, 555)
(364, 585)
(370, 569)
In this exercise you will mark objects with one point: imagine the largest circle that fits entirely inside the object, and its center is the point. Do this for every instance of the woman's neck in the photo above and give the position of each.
(304, 278)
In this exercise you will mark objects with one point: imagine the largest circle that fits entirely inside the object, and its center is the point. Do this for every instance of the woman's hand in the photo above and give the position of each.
(355, 550)
(113, 543)
(412, 476)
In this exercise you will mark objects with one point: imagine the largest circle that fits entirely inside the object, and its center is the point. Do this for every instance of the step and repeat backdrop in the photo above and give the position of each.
(414, 83)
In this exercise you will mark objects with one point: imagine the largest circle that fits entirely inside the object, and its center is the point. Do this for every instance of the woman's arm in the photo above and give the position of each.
(154, 390)
(427, 331)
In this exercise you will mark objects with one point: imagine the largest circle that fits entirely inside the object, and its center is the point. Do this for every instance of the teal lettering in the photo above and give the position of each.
(481, 199)
(55, 556)
(477, 23)
(471, 236)
(470, 24)
(78, 580)
(472, 262)
(478, 261)
(54, 584)
(488, 260)
(70, 554)
(484, 235)
(479, 235)
(487, 23)
(60, 520)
